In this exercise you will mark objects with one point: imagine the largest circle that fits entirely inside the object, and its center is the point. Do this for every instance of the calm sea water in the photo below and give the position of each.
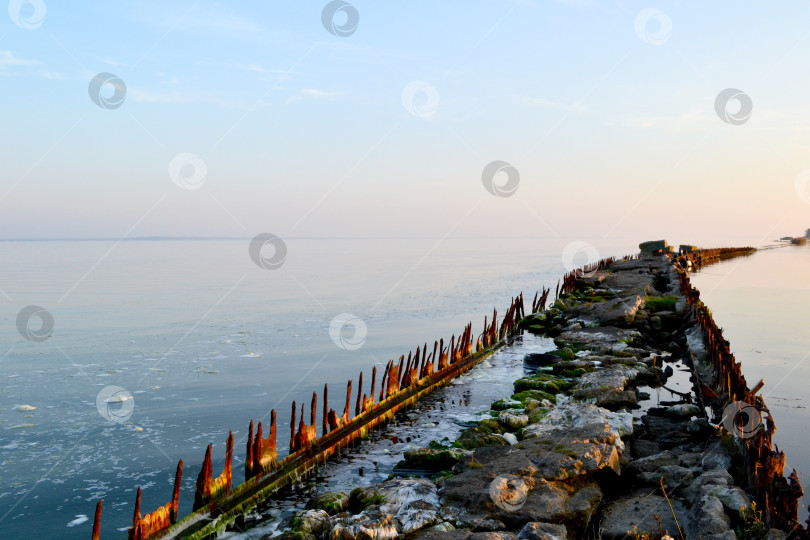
(204, 340)
(762, 303)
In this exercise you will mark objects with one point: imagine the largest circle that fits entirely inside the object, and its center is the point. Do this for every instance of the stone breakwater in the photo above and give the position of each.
(630, 428)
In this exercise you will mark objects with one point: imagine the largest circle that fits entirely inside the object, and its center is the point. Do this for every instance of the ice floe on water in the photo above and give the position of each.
(81, 518)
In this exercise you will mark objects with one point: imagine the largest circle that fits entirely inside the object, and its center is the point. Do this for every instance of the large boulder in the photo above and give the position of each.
(536, 530)
(310, 522)
(654, 462)
(733, 498)
(614, 312)
(708, 517)
(599, 338)
(412, 504)
(332, 502)
(370, 524)
(434, 458)
(639, 510)
(674, 477)
(580, 415)
(602, 381)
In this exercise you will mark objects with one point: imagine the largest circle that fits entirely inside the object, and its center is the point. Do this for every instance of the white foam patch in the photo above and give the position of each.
(81, 518)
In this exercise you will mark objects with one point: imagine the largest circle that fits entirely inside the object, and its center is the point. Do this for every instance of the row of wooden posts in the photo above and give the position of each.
(261, 455)
(764, 462)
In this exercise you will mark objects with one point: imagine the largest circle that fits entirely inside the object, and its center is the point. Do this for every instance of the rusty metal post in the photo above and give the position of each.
(97, 521)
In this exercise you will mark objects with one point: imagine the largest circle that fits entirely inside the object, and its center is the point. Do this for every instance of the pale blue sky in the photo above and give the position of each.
(304, 133)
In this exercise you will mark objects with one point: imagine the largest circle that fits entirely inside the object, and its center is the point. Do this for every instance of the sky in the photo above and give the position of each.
(380, 120)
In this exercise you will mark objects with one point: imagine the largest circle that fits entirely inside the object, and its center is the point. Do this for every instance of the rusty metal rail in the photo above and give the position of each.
(217, 505)
(763, 461)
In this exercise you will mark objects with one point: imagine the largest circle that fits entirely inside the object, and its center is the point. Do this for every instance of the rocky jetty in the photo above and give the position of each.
(581, 449)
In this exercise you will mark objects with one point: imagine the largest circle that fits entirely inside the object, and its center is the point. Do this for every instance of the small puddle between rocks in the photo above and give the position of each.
(662, 397)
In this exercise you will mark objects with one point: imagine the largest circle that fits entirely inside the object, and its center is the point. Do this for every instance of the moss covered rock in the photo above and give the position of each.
(526, 396)
(332, 502)
(433, 459)
(360, 499)
(544, 382)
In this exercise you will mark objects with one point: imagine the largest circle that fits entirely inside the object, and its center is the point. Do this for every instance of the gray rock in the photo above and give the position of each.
(370, 524)
(536, 530)
(412, 503)
(613, 399)
(430, 458)
(717, 477)
(726, 535)
(674, 477)
(599, 339)
(310, 521)
(654, 462)
(647, 248)
(289, 535)
(644, 448)
(438, 534)
(512, 421)
(560, 503)
(708, 517)
(509, 492)
(576, 415)
(628, 284)
(690, 459)
(478, 523)
(331, 501)
(494, 535)
(612, 379)
(639, 510)
(683, 410)
(616, 311)
(716, 459)
(701, 428)
(731, 497)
